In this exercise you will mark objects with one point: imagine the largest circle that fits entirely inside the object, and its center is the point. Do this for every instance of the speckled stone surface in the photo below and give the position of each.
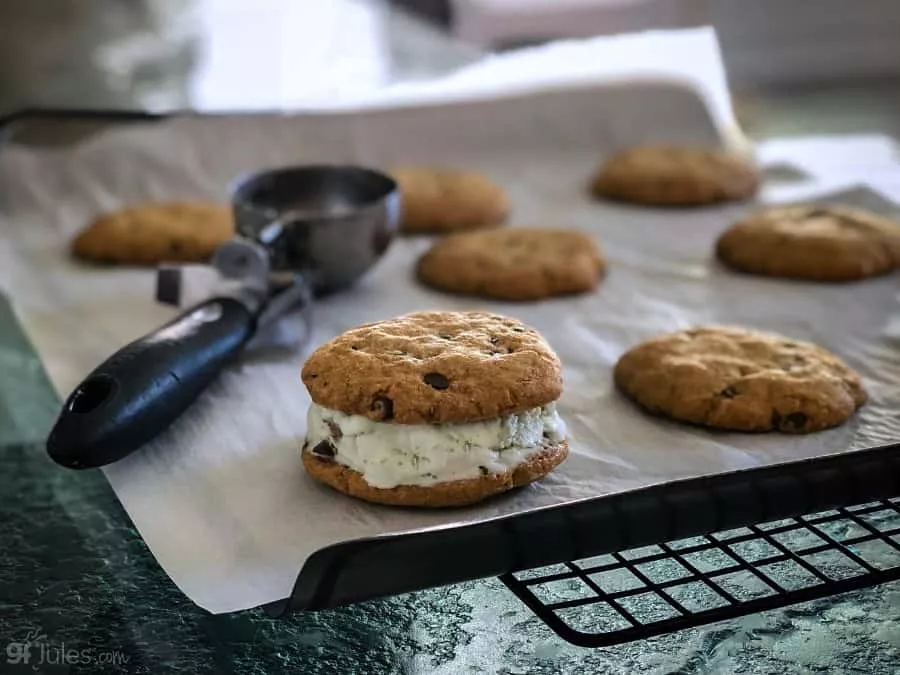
(73, 568)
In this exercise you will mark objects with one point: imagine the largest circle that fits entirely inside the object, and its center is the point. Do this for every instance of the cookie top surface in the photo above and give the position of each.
(178, 231)
(514, 264)
(731, 378)
(439, 200)
(435, 367)
(824, 243)
(669, 175)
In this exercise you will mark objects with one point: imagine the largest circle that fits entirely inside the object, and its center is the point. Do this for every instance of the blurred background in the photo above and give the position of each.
(831, 61)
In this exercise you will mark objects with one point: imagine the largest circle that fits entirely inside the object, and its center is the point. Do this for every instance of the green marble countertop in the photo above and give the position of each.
(77, 580)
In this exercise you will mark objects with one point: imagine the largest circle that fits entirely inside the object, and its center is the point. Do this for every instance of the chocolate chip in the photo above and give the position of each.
(324, 450)
(484, 470)
(776, 419)
(499, 348)
(518, 329)
(728, 392)
(796, 420)
(445, 336)
(335, 430)
(354, 348)
(436, 381)
(312, 376)
(383, 407)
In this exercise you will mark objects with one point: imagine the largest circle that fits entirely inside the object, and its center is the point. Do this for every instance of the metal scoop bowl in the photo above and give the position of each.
(302, 232)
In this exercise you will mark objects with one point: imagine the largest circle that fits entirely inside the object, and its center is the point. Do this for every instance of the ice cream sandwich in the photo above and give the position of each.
(433, 409)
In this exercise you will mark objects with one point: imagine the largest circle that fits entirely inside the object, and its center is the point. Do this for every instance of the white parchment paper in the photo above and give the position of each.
(221, 498)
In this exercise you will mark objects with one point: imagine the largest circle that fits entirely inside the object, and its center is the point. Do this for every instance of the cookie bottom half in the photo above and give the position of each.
(439, 495)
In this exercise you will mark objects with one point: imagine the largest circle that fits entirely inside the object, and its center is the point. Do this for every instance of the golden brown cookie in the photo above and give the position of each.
(669, 175)
(152, 233)
(820, 243)
(439, 495)
(441, 200)
(435, 367)
(514, 264)
(740, 380)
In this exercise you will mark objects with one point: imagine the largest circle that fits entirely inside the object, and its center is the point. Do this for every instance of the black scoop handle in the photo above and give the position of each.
(145, 386)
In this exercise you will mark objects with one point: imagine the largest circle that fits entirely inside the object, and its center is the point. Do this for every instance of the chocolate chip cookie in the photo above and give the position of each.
(433, 409)
(818, 243)
(514, 264)
(740, 380)
(670, 175)
(153, 233)
(439, 200)
(435, 367)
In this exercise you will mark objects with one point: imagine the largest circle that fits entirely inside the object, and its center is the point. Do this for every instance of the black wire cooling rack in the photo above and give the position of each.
(649, 591)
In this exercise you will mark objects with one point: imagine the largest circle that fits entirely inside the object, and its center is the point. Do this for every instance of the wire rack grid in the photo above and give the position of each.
(646, 592)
